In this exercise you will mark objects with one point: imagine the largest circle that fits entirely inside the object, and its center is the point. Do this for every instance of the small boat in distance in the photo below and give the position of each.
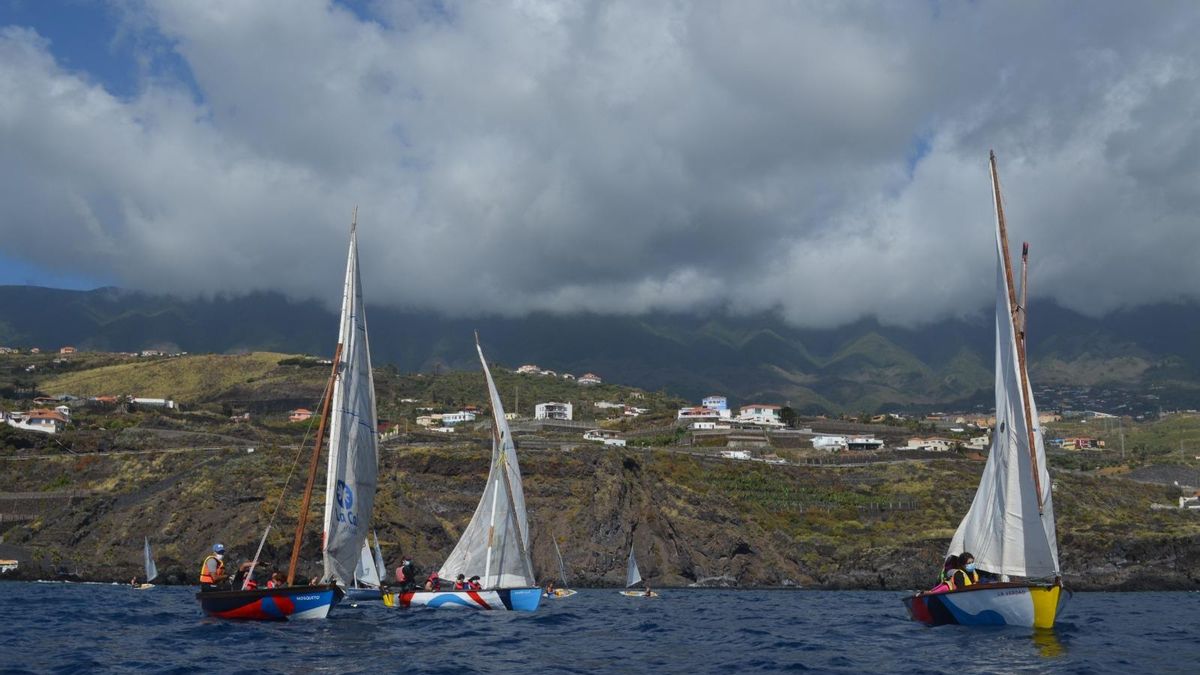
(633, 576)
(348, 407)
(367, 577)
(496, 541)
(151, 568)
(562, 591)
(1010, 528)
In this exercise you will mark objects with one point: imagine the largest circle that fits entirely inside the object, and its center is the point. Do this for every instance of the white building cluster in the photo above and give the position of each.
(714, 413)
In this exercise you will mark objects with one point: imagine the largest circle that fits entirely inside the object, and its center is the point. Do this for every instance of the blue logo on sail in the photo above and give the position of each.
(345, 499)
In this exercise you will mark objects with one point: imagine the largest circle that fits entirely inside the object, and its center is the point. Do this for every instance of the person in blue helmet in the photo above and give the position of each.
(212, 570)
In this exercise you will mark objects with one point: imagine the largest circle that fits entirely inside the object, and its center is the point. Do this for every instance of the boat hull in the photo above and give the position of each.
(271, 604)
(501, 599)
(639, 594)
(363, 594)
(1003, 604)
(561, 593)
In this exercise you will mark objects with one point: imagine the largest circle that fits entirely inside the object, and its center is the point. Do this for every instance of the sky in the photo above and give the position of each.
(823, 160)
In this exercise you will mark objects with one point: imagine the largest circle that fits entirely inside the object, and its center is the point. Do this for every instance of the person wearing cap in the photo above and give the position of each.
(460, 582)
(212, 570)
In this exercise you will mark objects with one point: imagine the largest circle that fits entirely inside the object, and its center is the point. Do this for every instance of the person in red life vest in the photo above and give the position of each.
(433, 583)
(473, 584)
(460, 583)
(212, 570)
(406, 576)
(277, 580)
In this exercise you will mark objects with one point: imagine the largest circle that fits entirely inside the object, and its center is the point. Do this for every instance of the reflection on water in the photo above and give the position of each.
(1048, 644)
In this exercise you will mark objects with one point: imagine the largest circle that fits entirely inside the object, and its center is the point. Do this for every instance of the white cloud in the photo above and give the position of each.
(620, 157)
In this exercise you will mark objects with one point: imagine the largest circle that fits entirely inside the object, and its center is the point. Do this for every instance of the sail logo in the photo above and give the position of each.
(345, 500)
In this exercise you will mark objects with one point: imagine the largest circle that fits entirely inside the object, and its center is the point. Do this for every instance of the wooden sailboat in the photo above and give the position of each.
(1010, 528)
(151, 568)
(348, 408)
(562, 591)
(633, 576)
(496, 541)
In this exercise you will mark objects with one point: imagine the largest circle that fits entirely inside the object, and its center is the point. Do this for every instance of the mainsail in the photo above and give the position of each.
(495, 544)
(632, 575)
(367, 573)
(1010, 526)
(151, 568)
(353, 456)
(562, 567)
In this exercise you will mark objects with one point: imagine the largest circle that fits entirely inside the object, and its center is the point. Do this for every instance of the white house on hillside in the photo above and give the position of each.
(829, 443)
(697, 413)
(589, 378)
(553, 411)
(761, 414)
(459, 417)
(604, 436)
(715, 402)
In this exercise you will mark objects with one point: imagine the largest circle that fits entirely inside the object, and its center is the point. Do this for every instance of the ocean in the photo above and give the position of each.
(68, 628)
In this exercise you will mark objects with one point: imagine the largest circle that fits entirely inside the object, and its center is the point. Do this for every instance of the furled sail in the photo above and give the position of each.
(151, 568)
(367, 572)
(353, 456)
(632, 575)
(495, 544)
(1009, 529)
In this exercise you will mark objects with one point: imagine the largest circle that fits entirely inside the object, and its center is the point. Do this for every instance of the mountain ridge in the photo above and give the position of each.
(862, 366)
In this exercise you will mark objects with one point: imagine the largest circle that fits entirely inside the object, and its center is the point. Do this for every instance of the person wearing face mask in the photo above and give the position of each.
(964, 574)
(212, 570)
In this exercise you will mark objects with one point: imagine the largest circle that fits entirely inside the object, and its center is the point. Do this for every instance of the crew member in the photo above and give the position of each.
(212, 570)
(433, 583)
(964, 574)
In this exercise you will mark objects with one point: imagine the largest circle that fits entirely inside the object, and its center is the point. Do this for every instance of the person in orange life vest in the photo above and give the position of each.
(964, 573)
(460, 583)
(277, 580)
(212, 570)
(473, 584)
(433, 583)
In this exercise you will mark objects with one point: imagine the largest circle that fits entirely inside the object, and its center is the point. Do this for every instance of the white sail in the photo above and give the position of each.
(632, 575)
(353, 456)
(379, 559)
(495, 544)
(151, 568)
(1004, 529)
(367, 574)
(562, 567)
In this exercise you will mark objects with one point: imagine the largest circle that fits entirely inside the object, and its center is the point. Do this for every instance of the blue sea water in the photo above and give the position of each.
(71, 628)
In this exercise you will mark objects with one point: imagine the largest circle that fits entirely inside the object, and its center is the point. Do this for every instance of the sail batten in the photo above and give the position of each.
(352, 471)
(1010, 528)
(496, 541)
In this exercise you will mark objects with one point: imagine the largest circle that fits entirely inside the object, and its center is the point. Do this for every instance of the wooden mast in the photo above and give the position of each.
(312, 468)
(1018, 330)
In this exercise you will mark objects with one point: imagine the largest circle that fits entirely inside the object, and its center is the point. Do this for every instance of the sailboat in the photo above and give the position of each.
(348, 408)
(633, 576)
(562, 591)
(496, 541)
(151, 568)
(1010, 526)
(367, 576)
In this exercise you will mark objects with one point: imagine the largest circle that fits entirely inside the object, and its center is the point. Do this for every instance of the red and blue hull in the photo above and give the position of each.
(271, 604)
(502, 599)
(1001, 604)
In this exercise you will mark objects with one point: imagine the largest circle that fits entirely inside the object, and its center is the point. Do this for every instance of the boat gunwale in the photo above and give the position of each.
(269, 592)
(987, 586)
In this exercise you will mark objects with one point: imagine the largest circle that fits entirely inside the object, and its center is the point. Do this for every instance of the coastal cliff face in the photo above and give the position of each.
(691, 520)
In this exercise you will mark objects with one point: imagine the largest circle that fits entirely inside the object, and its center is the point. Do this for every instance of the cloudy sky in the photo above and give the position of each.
(825, 159)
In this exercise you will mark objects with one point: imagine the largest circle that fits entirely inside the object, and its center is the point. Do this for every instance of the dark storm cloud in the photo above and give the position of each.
(828, 160)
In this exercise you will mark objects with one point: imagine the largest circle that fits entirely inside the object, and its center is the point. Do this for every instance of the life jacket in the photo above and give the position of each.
(205, 577)
(271, 583)
(460, 585)
(435, 582)
(404, 573)
(251, 585)
(967, 579)
(475, 585)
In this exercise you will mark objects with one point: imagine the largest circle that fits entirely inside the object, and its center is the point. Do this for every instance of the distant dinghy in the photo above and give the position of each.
(367, 577)
(348, 408)
(495, 542)
(633, 576)
(151, 568)
(562, 591)
(1010, 527)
